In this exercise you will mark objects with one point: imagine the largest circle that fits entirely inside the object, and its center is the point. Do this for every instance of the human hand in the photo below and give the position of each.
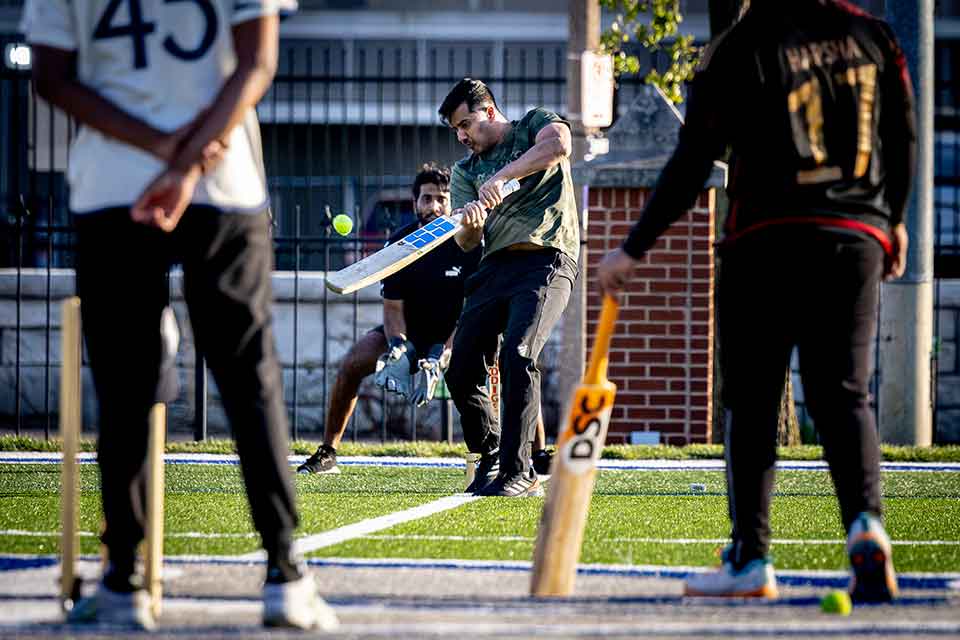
(427, 379)
(614, 272)
(894, 265)
(474, 216)
(212, 155)
(490, 193)
(165, 199)
(171, 144)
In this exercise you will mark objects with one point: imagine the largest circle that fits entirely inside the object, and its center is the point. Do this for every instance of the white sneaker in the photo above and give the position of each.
(114, 608)
(298, 605)
(872, 578)
(755, 580)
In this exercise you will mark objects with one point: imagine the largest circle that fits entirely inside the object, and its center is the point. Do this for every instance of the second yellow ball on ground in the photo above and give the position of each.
(837, 602)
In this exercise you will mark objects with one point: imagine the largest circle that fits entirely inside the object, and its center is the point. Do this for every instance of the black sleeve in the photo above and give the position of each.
(702, 140)
(393, 287)
(472, 261)
(897, 127)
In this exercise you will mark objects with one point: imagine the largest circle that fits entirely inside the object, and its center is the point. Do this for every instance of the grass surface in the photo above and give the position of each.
(636, 517)
(949, 453)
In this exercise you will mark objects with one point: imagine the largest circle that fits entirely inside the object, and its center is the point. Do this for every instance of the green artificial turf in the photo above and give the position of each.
(891, 453)
(636, 517)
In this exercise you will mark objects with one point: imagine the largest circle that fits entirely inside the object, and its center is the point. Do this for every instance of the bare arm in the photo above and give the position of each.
(255, 42)
(163, 202)
(394, 323)
(470, 234)
(55, 78)
(551, 145)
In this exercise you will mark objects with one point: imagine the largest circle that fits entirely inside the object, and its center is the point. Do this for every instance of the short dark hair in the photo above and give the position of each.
(473, 92)
(431, 173)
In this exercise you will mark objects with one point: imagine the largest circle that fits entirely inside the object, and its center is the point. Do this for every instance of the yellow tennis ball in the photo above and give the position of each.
(343, 224)
(837, 601)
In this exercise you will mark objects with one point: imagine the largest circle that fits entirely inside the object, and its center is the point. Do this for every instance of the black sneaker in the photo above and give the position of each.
(323, 461)
(488, 466)
(522, 485)
(541, 462)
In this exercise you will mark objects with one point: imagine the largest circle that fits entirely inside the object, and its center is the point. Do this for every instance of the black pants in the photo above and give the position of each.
(521, 295)
(122, 281)
(817, 291)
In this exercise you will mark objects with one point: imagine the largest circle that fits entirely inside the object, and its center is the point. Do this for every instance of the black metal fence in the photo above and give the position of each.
(345, 128)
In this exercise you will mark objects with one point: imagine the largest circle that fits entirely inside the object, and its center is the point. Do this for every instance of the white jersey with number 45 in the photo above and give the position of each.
(163, 61)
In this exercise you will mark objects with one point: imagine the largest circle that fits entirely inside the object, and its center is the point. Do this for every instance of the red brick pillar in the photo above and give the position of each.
(661, 358)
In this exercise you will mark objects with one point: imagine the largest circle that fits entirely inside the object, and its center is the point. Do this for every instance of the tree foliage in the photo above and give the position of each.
(654, 24)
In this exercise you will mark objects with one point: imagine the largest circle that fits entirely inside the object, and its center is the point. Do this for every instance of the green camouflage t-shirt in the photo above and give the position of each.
(543, 211)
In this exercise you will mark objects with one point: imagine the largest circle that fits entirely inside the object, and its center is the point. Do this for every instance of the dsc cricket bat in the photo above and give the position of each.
(396, 256)
(560, 535)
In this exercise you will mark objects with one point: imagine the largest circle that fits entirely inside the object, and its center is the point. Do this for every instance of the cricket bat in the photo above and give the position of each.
(564, 517)
(396, 256)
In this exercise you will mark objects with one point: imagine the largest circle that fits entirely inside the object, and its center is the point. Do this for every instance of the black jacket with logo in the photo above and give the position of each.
(815, 102)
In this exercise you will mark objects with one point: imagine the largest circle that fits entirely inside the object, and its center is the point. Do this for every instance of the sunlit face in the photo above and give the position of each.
(432, 202)
(474, 129)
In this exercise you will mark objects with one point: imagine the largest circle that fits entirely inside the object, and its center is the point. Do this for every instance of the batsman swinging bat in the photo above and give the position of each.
(560, 535)
(396, 256)
(70, 415)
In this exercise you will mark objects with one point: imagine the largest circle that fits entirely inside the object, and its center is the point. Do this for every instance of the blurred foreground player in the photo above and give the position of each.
(166, 168)
(823, 145)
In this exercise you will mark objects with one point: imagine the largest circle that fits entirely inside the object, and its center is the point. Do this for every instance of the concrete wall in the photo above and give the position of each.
(947, 429)
(40, 344)
(36, 383)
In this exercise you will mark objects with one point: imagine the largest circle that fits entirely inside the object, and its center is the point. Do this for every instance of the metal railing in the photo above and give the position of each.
(344, 129)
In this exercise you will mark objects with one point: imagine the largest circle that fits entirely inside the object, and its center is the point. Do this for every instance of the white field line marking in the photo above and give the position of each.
(365, 527)
(647, 540)
(91, 534)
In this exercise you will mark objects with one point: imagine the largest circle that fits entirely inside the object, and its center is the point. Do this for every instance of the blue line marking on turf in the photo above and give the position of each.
(906, 581)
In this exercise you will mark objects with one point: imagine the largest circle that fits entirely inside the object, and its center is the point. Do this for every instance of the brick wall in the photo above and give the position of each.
(662, 352)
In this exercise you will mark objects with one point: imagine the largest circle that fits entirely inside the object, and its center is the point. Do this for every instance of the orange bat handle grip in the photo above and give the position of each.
(597, 369)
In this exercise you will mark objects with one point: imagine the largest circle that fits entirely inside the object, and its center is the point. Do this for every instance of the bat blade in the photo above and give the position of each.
(396, 256)
(564, 517)
(393, 257)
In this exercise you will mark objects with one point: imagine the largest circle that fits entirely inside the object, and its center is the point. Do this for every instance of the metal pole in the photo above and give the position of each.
(906, 318)
(584, 35)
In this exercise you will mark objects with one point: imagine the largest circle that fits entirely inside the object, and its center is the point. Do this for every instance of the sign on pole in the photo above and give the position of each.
(596, 82)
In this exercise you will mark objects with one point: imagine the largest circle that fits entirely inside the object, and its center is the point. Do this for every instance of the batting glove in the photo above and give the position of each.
(393, 367)
(431, 369)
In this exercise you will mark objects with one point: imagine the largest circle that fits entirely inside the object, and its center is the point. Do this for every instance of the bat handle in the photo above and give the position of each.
(597, 369)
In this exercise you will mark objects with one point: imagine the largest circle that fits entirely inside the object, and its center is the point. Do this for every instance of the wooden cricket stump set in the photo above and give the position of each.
(70, 423)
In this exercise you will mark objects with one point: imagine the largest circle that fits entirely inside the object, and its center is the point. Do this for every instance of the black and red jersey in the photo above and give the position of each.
(814, 102)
